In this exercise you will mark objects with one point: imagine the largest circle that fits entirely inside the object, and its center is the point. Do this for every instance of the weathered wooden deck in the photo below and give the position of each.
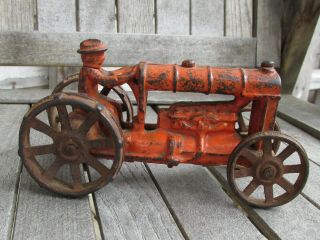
(148, 201)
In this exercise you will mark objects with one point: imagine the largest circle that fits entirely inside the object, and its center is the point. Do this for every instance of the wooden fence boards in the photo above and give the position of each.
(239, 18)
(135, 16)
(97, 16)
(56, 16)
(17, 15)
(268, 31)
(207, 18)
(60, 49)
(173, 17)
(10, 164)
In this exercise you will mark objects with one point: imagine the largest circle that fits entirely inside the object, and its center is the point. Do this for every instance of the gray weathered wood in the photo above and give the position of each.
(10, 165)
(297, 219)
(154, 97)
(239, 18)
(56, 16)
(60, 49)
(131, 207)
(207, 18)
(17, 15)
(301, 114)
(97, 16)
(201, 206)
(269, 31)
(135, 16)
(173, 17)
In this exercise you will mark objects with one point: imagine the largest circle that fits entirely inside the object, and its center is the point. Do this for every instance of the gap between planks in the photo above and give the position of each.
(16, 202)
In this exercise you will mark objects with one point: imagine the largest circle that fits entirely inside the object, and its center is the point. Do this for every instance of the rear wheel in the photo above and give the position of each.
(126, 105)
(56, 157)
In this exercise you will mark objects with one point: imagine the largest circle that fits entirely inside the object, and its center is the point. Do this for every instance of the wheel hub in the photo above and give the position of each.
(70, 148)
(269, 172)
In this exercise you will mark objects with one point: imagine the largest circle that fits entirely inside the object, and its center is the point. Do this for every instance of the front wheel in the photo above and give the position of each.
(263, 178)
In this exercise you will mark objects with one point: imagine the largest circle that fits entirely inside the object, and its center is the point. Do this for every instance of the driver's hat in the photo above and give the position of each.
(92, 46)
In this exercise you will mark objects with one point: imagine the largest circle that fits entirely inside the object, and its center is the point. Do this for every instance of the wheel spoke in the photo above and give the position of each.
(286, 185)
(287, 152)
(268, 193)
(250, 188)
(76, 175)
(242, 172)
(64, 117)
(267, 147)
(98, 166)
(53, 169)
(42, 149)
(249, 155)
(44, 128)
(88, 122)
(292, 168)
(101, 143)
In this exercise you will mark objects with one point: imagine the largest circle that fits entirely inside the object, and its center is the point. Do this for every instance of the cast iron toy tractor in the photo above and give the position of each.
(88, 134)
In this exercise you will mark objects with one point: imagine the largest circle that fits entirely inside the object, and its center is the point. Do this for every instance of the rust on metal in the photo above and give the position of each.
(89, 125)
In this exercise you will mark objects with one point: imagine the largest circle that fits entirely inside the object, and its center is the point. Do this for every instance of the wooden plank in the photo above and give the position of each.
(239, 16)
(60, 49)
(56, 16)
(311, 145)
(44, 215)
(155, 97)
(97, 16)
(16, 15)
(173, 17)
(201, 206)
(10, 165)
(131, 207)
(284, 219)
(207, 19)
(269, 31)
(135, 16)
(301, 114)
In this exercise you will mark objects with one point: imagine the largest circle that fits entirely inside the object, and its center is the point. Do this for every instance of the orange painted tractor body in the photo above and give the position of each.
(197, 133)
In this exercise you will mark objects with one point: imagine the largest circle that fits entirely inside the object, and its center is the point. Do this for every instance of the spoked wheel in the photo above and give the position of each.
(126, 104)
(243, 127)
(262, 178)
(56, 158)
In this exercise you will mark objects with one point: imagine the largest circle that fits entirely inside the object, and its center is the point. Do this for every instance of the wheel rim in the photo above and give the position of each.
(251, 170)
(72, 145)
(126, 105)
